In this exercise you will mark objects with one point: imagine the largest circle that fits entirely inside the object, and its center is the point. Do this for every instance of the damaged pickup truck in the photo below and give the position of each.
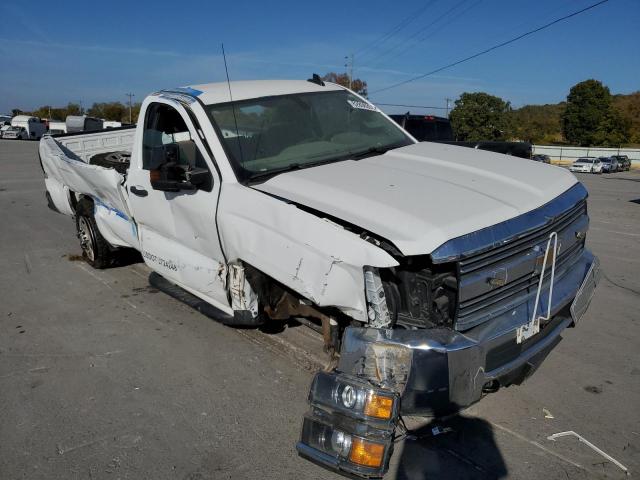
(436, 273)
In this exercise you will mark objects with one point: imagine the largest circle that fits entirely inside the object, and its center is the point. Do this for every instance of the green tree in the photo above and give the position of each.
(613, 130)
(480, 116)
(537, 123)
(72, 109)
(357, 85)
(588, 106)
(629, 108)
(110, 111)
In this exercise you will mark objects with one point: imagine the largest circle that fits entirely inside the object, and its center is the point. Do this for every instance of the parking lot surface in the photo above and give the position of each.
(102, 376)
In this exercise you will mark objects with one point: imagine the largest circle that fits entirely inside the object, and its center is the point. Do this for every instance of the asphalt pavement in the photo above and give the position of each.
(103, 377)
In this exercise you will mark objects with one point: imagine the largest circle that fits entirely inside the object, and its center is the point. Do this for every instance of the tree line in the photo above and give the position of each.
(116, 111)
(590, 116)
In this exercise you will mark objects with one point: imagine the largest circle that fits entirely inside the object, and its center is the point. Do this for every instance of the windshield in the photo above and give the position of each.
(276, 134)
(605, 160)
(584, 160)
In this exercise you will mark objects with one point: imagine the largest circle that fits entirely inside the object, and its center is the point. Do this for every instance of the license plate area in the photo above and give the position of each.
(528, 330)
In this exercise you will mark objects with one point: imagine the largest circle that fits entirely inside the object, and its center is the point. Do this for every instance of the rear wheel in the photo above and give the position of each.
(95, 249)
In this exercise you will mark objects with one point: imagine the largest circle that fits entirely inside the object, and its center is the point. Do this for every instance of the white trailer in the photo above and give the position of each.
(111, 124)
(82, 123)
(56, 127)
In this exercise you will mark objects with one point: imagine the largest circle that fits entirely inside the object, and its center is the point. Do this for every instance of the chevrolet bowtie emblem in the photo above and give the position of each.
(498, 277)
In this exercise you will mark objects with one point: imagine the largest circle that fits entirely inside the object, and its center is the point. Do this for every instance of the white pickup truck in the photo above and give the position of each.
(436, 273)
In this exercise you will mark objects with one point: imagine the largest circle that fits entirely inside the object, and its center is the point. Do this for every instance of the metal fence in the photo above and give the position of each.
(567, 155)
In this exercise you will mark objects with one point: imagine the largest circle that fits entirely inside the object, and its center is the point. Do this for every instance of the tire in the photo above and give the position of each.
(119, 161)
(95, 249)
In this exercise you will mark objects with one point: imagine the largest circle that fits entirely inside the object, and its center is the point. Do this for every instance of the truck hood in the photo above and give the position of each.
(422, 195)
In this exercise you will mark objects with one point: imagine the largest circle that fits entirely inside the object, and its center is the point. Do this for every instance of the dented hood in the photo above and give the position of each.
(422, 195)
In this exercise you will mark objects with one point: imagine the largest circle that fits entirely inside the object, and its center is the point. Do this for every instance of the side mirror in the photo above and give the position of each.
(197, 176)
(168, 173)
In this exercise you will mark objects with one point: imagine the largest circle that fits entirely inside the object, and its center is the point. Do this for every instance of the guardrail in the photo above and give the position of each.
(565, 155)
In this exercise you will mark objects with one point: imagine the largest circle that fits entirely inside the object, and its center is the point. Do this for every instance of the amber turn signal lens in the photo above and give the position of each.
(366, 453)
(379, 406)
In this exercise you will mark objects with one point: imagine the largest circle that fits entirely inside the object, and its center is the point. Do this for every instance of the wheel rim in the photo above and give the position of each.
(86, 239)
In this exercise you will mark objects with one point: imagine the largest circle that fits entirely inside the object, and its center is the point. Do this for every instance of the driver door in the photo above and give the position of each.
(177, 229)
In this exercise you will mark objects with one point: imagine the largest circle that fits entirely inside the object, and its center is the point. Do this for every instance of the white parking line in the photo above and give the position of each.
(616, 232)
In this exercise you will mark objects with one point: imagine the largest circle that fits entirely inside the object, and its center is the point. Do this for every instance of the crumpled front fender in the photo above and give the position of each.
(313, 256)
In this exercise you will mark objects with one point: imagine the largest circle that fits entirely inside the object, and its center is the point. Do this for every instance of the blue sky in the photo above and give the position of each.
(53, 53)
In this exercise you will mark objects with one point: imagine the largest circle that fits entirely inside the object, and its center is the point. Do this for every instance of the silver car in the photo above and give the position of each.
(16, 133)
(587, 165)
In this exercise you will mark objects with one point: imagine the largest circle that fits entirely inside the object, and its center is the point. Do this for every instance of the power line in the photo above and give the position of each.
(476, 55)
(431, 33)
(416, 33)
(396, 29)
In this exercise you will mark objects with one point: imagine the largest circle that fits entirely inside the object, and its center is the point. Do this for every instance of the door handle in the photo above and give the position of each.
(141, 192)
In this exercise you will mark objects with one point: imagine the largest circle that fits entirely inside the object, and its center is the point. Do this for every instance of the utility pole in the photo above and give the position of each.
(130, 95)
(448, 100)
(349, 67)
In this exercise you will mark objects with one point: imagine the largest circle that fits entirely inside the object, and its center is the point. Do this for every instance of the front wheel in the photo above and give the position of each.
(95, 249)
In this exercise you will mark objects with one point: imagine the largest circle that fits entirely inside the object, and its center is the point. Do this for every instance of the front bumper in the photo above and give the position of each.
(439, 371)
(451, 370)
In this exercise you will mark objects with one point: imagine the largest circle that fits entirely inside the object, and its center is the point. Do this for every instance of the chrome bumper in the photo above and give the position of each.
(438, 371)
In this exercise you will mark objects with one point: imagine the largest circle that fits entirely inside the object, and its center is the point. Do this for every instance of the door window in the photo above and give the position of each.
(164, 126)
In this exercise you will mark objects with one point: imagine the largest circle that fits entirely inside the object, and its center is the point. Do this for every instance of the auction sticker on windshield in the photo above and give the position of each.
(362, 105)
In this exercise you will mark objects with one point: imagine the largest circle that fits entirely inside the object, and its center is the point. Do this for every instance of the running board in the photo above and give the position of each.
(240, 318)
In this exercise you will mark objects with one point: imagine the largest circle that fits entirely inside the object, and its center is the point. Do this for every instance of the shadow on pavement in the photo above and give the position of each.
(467, 452)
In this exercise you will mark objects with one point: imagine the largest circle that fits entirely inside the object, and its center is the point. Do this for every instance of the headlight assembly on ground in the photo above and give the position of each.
(350, 426)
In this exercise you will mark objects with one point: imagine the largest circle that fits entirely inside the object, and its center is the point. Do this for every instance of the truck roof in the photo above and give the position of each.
(243, 90)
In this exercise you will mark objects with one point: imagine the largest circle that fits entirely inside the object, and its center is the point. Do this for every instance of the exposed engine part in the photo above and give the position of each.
(420, 294)
(378, 311)
(290, 306)
(243, 297)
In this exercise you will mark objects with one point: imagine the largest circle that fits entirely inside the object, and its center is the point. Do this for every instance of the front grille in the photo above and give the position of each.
(519, 261)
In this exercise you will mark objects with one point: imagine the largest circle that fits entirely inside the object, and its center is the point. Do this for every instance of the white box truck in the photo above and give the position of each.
(25, 127)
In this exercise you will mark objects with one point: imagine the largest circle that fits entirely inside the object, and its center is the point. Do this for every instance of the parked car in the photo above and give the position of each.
(587, 165)
(447, 274)
(624, 164)
(16, 133)
(540, 157)
(609, 164)
(6, 125)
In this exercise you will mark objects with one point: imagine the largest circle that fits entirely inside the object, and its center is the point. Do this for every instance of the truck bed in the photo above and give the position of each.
(69, 175)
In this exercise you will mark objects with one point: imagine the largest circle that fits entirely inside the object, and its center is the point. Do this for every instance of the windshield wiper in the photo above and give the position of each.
(260, 177)
(266, 175)
(376, 150)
